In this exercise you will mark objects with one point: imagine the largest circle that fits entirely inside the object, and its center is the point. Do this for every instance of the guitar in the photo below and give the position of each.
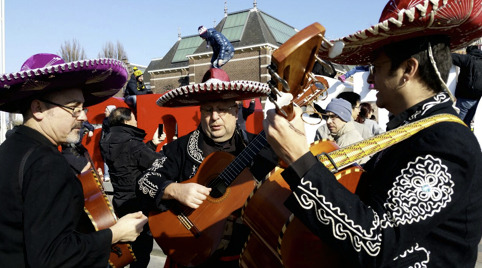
(101, 213)
(190, 237)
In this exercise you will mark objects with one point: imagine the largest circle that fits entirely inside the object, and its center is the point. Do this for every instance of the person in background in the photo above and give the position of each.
(223, 50)
(340, 125)
(103, 134)
(41, 199)
(354, 99)
(469, 82)
(364, 117)
(127, 157)
(418, 203)
(135, 87)
(244, 112)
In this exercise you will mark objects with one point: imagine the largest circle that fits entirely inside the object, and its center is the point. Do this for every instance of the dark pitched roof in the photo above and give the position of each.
(244, 28)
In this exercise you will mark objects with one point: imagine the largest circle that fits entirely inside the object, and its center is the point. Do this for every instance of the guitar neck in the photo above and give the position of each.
(347, 155)
(235, 168)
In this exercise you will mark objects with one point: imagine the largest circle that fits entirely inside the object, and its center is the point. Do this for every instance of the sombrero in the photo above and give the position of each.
(216, 86)
(99, 79)
(461, 20)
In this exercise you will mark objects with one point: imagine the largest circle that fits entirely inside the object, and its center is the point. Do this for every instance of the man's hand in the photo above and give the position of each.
(189, 194)
(91, 133)
(287, 138)
(128, 228)
(156, 139)
(220, 62)
(86, 167)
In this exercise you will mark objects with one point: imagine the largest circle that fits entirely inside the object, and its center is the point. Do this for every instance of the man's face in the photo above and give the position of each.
(218, 119)
(140, 78)
(334, 122)
(385, 82)
(355, 111)
(58, 123)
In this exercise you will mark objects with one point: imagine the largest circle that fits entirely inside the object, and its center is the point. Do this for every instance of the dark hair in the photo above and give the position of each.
(365, 109)
(469, 49)
(119, 116)
(351, 97)
(417, 48)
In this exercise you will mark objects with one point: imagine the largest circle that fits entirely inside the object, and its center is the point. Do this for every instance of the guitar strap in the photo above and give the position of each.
(349, 154)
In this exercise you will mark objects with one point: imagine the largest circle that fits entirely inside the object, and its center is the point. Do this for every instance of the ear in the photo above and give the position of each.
(37, 110)
(411, 69)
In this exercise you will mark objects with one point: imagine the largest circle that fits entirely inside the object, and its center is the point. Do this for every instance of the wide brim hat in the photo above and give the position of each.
(216, 86)
(99, 79)
(407, 19)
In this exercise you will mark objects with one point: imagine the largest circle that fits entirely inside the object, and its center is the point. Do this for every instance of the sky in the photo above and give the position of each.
(149, 28)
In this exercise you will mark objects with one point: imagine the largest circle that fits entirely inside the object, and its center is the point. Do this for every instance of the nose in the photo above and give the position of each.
(215, 115)
(82, 116)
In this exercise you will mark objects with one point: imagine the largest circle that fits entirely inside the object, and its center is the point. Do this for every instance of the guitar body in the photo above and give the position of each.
(284, 236)
(176, 239)
(102, 216)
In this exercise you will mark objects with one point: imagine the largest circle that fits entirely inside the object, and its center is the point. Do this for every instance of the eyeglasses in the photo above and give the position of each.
(221, 110)
(371, 67)
(76, 112)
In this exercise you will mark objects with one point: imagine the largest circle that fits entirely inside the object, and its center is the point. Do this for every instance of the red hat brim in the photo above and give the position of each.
(407, 19)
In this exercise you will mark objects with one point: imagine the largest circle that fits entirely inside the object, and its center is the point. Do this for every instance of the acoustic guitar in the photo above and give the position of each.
(101, 213)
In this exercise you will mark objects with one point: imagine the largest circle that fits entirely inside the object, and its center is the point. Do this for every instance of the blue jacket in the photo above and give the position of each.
(219, 43)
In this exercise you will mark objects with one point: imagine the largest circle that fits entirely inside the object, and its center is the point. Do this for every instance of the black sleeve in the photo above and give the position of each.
(248, 111)
(51, 193)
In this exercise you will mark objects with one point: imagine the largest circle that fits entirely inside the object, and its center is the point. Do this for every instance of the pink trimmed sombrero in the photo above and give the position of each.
(216, 86)
(99, 80)
(405, 19)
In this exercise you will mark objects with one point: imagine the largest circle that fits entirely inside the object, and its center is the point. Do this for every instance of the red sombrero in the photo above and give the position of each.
(215, 86)
(99, 79)
(461, 20)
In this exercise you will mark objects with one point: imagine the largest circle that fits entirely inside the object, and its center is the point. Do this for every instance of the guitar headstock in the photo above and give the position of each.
(291, 66)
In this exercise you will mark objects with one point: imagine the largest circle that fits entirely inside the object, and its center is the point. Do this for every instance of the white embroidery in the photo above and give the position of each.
(422, 264)
(158, 163)
(192, 147)
(148, 187)
(423, 189)
(342, 226)
(194, 170)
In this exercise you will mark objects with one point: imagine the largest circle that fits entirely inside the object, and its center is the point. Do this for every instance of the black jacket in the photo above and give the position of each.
(39, 224)
(127, 157)
(135, 87)
(470, 74)
(418, 203)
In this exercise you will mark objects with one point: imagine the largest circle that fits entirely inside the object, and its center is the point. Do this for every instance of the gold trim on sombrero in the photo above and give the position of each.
(418, 21)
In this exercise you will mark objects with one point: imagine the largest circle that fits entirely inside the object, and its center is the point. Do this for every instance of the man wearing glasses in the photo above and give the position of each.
(41, 199)
(217, 131)
(418, 203)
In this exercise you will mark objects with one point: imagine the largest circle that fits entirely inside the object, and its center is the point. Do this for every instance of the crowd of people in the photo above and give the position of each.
(417, 203)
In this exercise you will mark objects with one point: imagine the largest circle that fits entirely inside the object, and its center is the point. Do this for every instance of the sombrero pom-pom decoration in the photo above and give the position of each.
(216, 86)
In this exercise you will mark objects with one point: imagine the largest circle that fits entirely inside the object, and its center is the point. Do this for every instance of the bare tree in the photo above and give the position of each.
(72, 51)
(109, 50)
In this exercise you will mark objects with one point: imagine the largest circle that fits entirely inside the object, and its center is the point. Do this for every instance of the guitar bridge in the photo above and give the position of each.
(189, 225)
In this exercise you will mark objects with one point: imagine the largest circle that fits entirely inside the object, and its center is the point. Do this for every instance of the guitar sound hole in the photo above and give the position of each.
(218, 188)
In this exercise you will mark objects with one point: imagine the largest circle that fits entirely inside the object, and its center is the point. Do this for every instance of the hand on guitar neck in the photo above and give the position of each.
(287, 138)
(188, 194)
(128, 228)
